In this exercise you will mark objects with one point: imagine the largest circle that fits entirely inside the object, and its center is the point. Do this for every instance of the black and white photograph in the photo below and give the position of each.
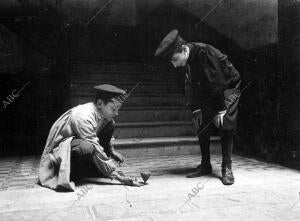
(150, 110)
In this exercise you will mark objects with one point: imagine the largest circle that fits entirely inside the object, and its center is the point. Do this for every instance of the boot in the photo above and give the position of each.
(203, 169)
(227, 175)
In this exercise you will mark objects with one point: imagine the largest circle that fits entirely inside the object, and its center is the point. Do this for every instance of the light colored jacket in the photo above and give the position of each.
(83, 122)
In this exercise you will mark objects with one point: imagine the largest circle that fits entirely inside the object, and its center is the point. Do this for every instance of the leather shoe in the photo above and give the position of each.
(201, 170)
(227, 175)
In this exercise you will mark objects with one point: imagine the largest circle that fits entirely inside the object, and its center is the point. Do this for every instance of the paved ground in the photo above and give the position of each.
(262, 192)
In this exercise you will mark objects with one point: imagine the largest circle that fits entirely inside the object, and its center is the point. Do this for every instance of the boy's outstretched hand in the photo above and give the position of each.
(117, 157)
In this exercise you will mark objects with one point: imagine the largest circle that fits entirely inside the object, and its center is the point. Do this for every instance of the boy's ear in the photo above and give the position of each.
(99, 103)
(185, 48)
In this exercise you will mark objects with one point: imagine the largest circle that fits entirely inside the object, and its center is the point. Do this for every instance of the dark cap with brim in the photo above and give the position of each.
(169, 44)
(109, 91)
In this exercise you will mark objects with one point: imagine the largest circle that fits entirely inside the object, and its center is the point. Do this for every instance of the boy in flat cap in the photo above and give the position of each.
(79, 146)
(212, 89)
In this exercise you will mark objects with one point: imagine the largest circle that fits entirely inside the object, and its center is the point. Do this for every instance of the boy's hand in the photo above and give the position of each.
(116, 156)
(219, 119)
(128, 180)
(136, 183)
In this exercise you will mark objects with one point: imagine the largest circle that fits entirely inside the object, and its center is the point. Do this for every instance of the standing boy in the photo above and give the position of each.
(212, 90)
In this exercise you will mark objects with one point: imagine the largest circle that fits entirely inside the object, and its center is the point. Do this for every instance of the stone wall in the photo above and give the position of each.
(289, 36)
(30, 94)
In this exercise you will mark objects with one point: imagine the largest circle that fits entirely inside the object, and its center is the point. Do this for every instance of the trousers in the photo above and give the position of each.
(83, 160)
(226, 144)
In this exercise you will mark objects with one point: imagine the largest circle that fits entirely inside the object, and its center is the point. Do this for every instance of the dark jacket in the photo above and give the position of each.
(210, 79)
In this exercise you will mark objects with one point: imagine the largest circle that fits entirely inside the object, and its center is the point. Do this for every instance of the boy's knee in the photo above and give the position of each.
(110, 126)
(82, 147)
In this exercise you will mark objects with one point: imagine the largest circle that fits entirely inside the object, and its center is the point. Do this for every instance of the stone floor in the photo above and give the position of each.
(262, 191)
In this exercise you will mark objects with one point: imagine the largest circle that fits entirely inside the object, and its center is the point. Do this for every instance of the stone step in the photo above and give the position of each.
(146, 87)
(154, 114)
(92, 67)
(159, 146)
(102, 77)
(153, 129)
(138, 100)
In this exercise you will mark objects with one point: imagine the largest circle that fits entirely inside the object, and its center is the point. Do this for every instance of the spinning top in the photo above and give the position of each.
(145, 176)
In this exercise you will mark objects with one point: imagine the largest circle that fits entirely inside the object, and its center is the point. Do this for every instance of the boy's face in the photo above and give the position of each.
(179, 59)
(109, 110)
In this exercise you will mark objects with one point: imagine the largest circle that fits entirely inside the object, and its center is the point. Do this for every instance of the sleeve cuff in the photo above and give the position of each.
(195, 111)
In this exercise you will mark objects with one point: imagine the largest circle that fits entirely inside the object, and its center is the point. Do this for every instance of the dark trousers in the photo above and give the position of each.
(226, 135)
(230, 123)
(226, 144)
(82, 164)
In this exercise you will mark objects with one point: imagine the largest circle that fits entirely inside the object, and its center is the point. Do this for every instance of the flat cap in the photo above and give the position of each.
(168, 45)
(109, 89)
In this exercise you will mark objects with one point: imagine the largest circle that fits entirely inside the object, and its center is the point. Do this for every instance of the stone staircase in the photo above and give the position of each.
(154, 120)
